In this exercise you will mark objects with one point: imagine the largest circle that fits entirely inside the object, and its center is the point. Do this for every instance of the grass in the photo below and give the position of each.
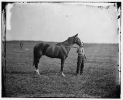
(99, 80)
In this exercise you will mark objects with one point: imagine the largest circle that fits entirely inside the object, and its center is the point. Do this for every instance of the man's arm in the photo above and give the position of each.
(84, 53)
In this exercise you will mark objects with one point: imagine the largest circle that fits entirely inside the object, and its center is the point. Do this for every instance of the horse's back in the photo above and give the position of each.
(50, 50)
(53, 51)
(44, 48)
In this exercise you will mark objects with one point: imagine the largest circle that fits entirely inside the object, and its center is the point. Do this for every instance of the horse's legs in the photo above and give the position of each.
(36, 67)
(36, 61)
(62, 65)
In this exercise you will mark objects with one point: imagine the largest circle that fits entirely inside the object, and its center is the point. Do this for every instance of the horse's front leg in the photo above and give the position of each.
(62, 66)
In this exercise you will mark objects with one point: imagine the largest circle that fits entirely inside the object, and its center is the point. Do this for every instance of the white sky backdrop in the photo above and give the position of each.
(58, 21)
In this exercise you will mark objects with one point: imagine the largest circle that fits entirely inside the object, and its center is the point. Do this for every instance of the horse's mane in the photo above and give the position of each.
(66, 42)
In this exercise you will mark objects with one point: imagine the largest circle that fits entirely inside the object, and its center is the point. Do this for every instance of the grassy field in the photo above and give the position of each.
(99, 80)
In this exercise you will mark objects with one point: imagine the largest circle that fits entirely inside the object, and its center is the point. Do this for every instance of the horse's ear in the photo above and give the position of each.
(76, 35)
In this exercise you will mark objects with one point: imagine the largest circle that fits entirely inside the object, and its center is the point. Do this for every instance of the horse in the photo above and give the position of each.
(59, 50)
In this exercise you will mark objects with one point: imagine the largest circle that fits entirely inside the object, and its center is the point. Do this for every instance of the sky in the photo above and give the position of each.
(58, 21)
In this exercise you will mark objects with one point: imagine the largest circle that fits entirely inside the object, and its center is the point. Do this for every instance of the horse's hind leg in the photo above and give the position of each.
(36, 61)
(37, 54)
(36, 67)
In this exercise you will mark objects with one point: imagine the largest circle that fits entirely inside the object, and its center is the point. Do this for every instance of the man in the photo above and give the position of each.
(21, 45)
(81, 57)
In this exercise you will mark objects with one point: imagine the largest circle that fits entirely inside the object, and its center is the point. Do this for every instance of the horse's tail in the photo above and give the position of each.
(33, 56)
(36, 54)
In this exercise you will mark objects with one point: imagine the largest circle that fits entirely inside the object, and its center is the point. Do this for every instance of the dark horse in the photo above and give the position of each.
(59, 50)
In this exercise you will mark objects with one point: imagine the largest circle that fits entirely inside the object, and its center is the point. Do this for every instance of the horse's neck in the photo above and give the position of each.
(67, 45)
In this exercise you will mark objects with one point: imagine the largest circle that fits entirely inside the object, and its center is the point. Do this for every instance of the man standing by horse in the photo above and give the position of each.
(81, 57)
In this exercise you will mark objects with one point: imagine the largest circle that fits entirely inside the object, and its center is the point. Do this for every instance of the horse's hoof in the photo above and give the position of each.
(37, 72)
(63, 74)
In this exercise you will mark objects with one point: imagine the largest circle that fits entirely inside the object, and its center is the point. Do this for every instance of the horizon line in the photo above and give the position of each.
(57, 42)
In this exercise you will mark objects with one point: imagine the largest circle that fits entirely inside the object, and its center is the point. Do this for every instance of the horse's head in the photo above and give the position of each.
(77, 40)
